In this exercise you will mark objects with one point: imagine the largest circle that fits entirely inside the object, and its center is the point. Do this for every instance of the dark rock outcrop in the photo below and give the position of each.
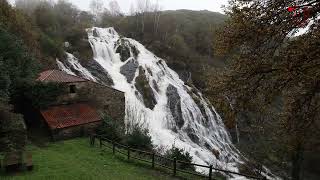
(174, 102)
(145, 90)
(129, 69)
(125, 49)
(99, 72)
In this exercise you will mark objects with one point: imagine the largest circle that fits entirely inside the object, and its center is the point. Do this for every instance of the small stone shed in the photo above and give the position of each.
(69, 121)
(78, 111)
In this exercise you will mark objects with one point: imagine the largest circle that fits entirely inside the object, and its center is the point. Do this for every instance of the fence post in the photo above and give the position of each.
(92, 140)
(113, 147)
(174, 166)
(153, 160)
(210, 172)
(128, 152)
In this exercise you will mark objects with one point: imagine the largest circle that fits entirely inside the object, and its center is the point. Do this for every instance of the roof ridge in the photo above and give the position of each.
(60, 76)
(74, 75)
(51, 71)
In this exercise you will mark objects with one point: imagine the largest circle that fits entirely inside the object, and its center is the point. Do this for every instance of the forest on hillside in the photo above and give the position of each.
(263, 80)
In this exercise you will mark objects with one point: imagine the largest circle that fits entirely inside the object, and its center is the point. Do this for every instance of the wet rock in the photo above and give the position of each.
(129, 69)
(216, 153)
(193, 135)
(155, 86)
(135, 51)
(125, 48)
(207, 146)
(197, 100)
(145, 90)
(174, 102)
(124, 53)
(94, 33)
(99, 72)
(149, 71)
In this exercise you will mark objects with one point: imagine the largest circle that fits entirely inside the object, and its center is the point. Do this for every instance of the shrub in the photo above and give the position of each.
(13, 134)
(249, 168)
(139, 138)
(41, 95)
(111, 129)
(180, 155)
(17, 66)
(51, 47)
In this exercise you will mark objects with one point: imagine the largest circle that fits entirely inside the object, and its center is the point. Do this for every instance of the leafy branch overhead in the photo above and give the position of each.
(272, 66)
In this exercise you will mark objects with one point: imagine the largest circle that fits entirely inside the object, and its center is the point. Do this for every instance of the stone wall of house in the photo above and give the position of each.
(106, 100)
(69, 97)
(75, 131)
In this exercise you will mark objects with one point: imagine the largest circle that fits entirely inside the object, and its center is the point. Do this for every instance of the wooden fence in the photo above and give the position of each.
(159, 160)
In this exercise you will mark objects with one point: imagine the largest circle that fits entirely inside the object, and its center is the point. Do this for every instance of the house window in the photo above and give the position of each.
(73, 89)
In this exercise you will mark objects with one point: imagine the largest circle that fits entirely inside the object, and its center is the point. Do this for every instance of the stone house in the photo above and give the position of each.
(71, 120)
(78, 111)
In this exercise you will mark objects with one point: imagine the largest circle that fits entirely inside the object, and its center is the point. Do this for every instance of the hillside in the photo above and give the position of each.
(75, 159)
(184, 38)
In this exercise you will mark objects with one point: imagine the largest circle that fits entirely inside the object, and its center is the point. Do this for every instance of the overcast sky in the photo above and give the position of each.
(211, 5)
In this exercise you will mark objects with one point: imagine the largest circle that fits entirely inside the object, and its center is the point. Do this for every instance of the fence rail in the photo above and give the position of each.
(116, 147)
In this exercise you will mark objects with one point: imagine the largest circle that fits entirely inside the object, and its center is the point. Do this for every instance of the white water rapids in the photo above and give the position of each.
(179, 115)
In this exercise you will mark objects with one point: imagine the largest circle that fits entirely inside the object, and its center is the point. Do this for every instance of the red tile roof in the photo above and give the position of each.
(59, 76)
(63, 116)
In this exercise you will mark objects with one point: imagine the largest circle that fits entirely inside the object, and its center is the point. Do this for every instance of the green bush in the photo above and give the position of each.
(51, 46)
(180, 155)
(41, 95)
(139, 138)
(111, 129)
(13, 134)
(17, 66)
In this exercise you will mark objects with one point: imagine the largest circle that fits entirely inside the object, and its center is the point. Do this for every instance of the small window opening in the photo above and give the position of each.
(73, 89)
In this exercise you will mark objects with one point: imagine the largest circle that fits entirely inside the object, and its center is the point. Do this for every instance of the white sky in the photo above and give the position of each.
(211, 5)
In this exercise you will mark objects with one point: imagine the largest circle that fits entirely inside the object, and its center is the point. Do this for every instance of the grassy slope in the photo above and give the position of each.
(74, 159)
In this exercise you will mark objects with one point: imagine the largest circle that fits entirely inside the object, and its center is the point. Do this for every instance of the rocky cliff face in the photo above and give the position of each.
(157, 99)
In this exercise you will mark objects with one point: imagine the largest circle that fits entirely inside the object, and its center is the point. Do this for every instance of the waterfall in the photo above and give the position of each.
(157, 99)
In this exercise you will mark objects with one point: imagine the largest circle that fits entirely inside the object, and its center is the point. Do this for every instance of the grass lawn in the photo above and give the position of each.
(75, 159)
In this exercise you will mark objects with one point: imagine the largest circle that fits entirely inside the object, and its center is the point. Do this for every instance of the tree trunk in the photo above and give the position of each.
(297, 159)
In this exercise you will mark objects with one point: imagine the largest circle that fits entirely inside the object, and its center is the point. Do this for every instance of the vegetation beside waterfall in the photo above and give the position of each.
(272, 81)
(263, 82)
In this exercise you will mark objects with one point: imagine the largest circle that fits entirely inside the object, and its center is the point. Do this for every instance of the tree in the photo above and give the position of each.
(17, 67)
(96, 7)
(180, 155)
(41, 95)
(111, 129)
(19, 25)
(28, 6)
(139, 138)
(13, 134)
(114, 8)
(269, 65)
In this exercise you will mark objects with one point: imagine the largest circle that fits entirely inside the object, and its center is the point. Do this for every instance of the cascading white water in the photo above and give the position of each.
(174, 113)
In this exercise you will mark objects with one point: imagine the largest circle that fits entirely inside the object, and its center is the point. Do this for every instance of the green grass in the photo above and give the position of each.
(75, 159)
